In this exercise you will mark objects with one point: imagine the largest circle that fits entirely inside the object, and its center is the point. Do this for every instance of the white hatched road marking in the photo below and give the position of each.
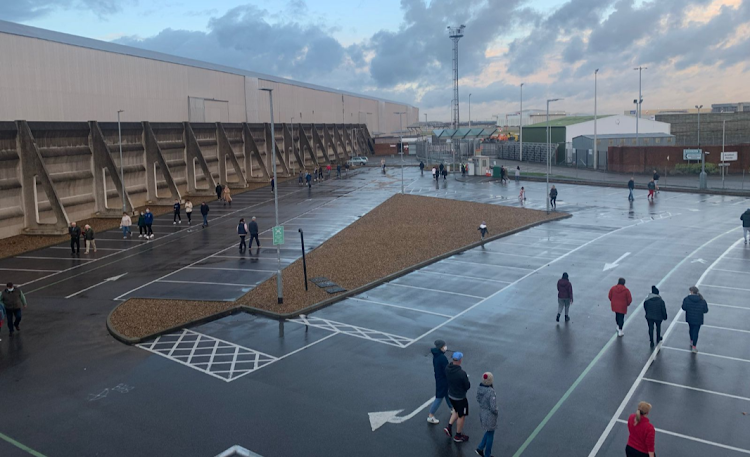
(167, 345)
(353, 330)
(692, 438)
(696, 389)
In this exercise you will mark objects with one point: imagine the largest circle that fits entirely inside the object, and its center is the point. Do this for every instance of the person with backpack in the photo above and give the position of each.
(439, 364)
(12, 300)
(651, 189)
(631, 187)
(620, 299)
(745, 218)
(176, 216)
(142, 231)
(656, 313)
(253, 229)
(553, 197)
(564, 296)
(125, 224)
(204, 213)
(458, 385)
(75, 238)
(641, 434)
(242, 232)
(695, 307)
(148, 219)
(88, 236)
(189, 211)
(487, 399)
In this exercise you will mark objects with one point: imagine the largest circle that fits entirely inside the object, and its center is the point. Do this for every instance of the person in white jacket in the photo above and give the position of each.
(189, 211)
(125, 224)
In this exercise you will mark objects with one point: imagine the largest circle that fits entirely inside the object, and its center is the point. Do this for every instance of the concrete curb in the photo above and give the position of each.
(325, 303)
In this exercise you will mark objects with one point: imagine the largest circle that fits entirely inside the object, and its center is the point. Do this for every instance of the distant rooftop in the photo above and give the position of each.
(565, 121)
(626, 135)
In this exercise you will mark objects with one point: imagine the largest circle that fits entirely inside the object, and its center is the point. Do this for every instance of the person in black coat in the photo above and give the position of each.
(219, 190)
(75, 238)
(656, 313)
(439, 363)
(695, 307)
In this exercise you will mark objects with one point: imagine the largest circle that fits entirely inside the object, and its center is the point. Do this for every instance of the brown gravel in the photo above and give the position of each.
(139, 317)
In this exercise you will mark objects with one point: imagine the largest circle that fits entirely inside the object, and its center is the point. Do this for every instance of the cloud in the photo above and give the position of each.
(25, 10)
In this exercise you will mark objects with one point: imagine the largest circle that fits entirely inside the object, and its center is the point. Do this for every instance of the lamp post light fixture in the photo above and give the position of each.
(549, 145)
(122, 165)
(279, 293)
(702, 180)
(638, 102)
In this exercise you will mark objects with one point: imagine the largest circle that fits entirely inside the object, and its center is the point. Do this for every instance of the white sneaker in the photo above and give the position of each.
(152, 237)
(433, 420)
(180, 222)
(620, 333)
(174, 223)
(140, 236)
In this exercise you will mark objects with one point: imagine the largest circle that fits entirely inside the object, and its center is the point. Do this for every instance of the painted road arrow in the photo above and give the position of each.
(381, 418)
(615, 264)
(113, 278)
(701, 261)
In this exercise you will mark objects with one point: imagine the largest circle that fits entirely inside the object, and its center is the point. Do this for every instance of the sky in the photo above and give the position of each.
(697, 52)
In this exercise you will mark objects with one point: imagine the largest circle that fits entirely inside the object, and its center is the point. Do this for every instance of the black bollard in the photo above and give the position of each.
(304, 261)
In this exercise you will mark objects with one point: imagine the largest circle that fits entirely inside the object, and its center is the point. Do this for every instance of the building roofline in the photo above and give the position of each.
(12, 28)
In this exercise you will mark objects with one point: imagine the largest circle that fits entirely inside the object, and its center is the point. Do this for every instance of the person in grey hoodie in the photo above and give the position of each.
(656, 313)
(458, 385)
(487, 400)
(439, 363)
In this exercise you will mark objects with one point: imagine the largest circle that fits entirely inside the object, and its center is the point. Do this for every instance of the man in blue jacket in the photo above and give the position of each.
(439, 364)
(176, 212)
(148, 218)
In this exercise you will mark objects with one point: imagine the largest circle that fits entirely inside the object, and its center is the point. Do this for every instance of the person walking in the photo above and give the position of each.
(2, 316)
(148, 219)
(421, 168)
(439, 364)
(553, 197)
(88, 235)
(445, 173)
(125, 224)
(656, 180)
(656, 313)
(142, 225)
(320, 173)
(487, 399)
(75, 238)
(13, 300)
(620, 299)
(503, 174)
(227, 196)
(651, 189)
(273, 184)
(434, 175)
(631, 186)
(204, 213)
(695, 307)
(189, 211)
(641, 434)
(564, 296)
(301, 177)
(522, 195)
(176, 216)
(219, 191)
(328, 171)
(458, 385)
(441, 168)
(253, 229)
(518, 173)
(308, 178)
(463, 170)
(242, 232)
(338, 170)
(483, 230)
(745, 218)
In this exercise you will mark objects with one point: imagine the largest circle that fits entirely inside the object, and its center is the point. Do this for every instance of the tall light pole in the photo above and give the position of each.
(455, 34)
(292, 125)
(401, 145)
(596, 147)
(549, 145)
(279, 293)
(520, 126)
(122, 165)
(470, 110)
(638, 102)
(702, 181)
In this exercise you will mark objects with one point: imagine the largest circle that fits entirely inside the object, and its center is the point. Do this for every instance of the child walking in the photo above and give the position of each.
(487, 399)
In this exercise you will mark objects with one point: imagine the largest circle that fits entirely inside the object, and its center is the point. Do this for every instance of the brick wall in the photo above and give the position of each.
(630, 159)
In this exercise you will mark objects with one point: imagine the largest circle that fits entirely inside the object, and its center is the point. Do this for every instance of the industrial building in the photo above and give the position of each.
(582, 152)
(732, 128)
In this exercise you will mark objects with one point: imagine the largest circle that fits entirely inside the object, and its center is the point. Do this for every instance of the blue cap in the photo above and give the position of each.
(458, 355)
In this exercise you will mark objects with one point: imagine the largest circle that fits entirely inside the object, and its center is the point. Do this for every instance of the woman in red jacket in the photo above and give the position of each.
(642, 433)
(620, 299)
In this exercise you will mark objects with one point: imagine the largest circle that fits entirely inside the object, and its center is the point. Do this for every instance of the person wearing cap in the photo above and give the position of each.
(439, 363)
(487, 400)
(458, 385)
(656, 313)
(12, 300)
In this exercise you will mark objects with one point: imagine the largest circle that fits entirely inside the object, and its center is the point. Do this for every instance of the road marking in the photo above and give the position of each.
(379, 419)
(732, 271)
(721, 328)
(460, 276)
(616, 263)
(353, 330)
(52, 258)
(433, 290)
(231, 269)
(696, 389)
(98, 249)
(250, 257)
(23, 447)
(736, 359)
(730, 306)
(29, 270)
(692, 438)
(206, 283)
(490, 264)
(651, 359)
(113, 278)
(399, 306)
(240, 451)
(725, 287)
(738, 258)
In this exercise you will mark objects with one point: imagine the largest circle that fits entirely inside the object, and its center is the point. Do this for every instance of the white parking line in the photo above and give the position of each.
(725, 287)
(433, 290)
(736, 359)
(206, 283)
(732, 271)
(29, 270)
(98, 249)
(721, 328)
(487, 264)
(692, 438)
(283, 259)
(231, 269)
(730, 306)
(696, 389)
(399, 306)
(53, 258)
(461, 276)
(739, 258)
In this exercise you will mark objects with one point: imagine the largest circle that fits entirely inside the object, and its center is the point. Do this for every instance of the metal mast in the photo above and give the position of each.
(455, 34)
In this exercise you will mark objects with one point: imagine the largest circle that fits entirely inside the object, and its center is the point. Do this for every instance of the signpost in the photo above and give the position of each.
(728, 156)
(278, 235)
(691, 154)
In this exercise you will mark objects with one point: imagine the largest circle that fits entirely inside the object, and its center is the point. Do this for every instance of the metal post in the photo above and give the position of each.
(596, 146)
(469, 110)
(279, 293)
(549, 145)
(401, 145)
(122, 165)
(304, 261)
(702, 181)
(723, 136)
(638, 103)
(520, 127)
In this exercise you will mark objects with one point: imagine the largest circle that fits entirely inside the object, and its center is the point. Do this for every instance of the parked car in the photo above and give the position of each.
(357, 161)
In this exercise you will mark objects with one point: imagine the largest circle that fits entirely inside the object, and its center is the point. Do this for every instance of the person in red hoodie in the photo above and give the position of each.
(642, 433)
(620, 299)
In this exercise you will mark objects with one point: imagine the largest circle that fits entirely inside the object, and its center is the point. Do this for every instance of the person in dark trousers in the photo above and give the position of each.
(242, 232)
(656, 180)
(176, 216)
(308, 178)
(553, 197)
(204, 213)
(745, 218)
(142, 231)
(273, 184)
(483, 230)
(189, 211)
(148, 219)
(13, 300)
(3, 315)
(445, 173)
(338, 170)
(631, 186)
(620, 299)
(518, 173)
(463, 170)
(219, 190)
(487, 399)
(301, 178)
(439, 364)
(641, 434)
(458, 385)
(88, 236)
(441, 168)
(75, 238)
(253, 229)
(564, 296)
(421, 168)
(656, 313)
(651, 190)
(695, 307)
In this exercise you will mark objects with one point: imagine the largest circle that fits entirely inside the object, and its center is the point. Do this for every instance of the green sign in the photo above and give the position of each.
(278, 235)
(691, 154)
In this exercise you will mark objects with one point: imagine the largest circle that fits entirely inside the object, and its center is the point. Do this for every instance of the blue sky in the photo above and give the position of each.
(696, 50)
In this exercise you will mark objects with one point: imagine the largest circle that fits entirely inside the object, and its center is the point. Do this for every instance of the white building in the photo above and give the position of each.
(611, 125)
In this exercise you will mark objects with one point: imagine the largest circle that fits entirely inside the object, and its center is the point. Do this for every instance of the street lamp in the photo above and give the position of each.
(279, 293)
(290, 158)
(596, 147)
(520, 126)
(469, 110)
(638, 102)
(122, 165)
(549, 141)
(401, 145)
(702, 181)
